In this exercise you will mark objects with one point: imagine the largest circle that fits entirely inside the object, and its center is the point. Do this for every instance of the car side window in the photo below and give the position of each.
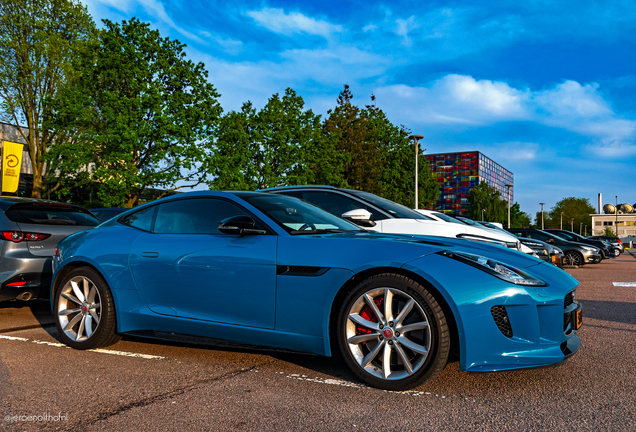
(141, 219)
(337, 204)
(194, 216)
(539, 236)
(565, 235)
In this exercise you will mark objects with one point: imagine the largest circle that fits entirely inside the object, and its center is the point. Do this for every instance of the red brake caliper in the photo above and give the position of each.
(367, 314)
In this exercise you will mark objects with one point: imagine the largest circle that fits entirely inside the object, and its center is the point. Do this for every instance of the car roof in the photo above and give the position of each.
(7, 202)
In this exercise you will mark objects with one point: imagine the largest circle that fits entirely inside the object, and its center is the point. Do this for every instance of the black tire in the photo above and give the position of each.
(82, 299)
(572, 258)
(364, 343)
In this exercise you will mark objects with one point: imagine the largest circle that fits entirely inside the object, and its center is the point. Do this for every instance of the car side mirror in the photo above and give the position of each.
(239, 225)
(360, 217)
(550, 241)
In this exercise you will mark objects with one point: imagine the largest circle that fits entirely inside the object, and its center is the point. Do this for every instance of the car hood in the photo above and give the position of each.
(369, 249)
(440, 228)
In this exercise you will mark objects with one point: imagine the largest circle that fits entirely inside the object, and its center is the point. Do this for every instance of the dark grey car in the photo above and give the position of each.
(575, 254)
(29, 232)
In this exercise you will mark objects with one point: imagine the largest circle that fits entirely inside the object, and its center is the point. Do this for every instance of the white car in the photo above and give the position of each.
(379, 214)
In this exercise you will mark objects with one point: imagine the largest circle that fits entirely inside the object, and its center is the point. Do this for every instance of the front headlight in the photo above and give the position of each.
(495, 268)
(590, 249)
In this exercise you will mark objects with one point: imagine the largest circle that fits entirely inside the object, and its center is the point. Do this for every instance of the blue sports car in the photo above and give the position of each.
(272, 270)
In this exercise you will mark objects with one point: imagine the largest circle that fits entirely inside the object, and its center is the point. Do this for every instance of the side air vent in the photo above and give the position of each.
(301, 270)
(500, 316)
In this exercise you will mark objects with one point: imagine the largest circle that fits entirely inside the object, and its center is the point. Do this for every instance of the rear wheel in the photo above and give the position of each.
(392, 333)
(84, 310)
(572, 258)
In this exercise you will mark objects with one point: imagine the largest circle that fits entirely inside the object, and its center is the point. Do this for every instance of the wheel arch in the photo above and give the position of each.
(353, 281)
(68, 268)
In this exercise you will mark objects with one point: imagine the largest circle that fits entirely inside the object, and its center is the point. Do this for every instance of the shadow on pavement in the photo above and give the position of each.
(620, 312)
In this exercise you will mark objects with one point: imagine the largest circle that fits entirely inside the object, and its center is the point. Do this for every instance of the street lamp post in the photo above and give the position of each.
(416, 140)
(482, 214)
(508, 186)
(616, 213)
(572, 224)
(542, 204)
(561, 220)
(581, 229)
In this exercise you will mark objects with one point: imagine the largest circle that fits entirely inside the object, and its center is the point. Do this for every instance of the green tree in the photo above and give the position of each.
(518, 219)
(608, 231)
(38, 39)
(485, 202)
(396, 178)
(280, 145)
(567, 209)
(142, 116)
(349, 125)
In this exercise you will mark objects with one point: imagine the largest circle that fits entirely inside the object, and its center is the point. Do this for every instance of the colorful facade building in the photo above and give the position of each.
(457, 173)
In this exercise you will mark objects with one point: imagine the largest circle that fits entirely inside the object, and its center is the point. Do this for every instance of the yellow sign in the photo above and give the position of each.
(11, 163)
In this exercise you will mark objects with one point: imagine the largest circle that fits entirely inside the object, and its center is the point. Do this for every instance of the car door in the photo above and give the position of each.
(185, 267)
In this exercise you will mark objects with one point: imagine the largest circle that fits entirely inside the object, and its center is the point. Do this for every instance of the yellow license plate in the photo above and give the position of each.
(579, 318)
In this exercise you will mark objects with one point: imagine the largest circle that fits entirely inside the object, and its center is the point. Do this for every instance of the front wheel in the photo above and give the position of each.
(84, 310)
(572, 259)
(392, 333)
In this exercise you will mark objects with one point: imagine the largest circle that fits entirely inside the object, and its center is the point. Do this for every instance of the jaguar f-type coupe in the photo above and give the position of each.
(271, 270)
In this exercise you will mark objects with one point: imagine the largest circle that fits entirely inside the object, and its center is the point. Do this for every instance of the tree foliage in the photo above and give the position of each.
(518, 219)
(569, 208)
(484, 201)
(38, 39)
(141, 113)
(396, 178)
(281, 144)
(608, 231)
(350, 126)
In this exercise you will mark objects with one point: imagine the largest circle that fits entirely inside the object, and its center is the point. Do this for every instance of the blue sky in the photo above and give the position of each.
(545, 88)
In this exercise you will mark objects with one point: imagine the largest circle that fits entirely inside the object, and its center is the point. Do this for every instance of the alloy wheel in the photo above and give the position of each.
(79, 308)
(388, 333)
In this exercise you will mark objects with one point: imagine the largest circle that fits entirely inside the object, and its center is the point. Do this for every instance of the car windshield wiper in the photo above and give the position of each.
(322, 231)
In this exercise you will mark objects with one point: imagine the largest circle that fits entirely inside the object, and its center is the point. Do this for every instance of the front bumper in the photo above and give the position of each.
(500, 325)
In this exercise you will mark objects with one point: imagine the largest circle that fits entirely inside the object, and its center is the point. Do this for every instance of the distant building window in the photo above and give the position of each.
(608, 223)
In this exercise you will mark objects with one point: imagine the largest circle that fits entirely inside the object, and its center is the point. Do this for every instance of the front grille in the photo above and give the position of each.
(568, 306)
(500, 315)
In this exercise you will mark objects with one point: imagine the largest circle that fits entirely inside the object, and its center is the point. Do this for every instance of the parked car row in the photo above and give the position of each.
(313, 269)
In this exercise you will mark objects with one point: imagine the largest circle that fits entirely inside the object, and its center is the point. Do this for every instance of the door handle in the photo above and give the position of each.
(150, 254)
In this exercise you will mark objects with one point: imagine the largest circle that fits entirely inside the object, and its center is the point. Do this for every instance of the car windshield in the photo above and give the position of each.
(469, 222)
(394, 209)
(299, 217)
(491, 226)
(447, 218)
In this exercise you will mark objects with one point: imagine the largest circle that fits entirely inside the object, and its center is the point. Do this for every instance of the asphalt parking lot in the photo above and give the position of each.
(145, 385)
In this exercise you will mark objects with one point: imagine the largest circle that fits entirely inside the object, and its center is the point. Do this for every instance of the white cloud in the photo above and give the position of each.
(369, 27)
(571, 99)
(153, 8)
(464, 102)
(403, 27)
(277, 21)
(456, 99)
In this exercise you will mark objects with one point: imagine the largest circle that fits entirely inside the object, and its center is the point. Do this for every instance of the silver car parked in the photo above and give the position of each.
(29, 232)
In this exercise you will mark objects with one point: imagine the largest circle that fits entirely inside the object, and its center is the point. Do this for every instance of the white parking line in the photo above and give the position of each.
(97, 350)
(330, 381)
(624, 284)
